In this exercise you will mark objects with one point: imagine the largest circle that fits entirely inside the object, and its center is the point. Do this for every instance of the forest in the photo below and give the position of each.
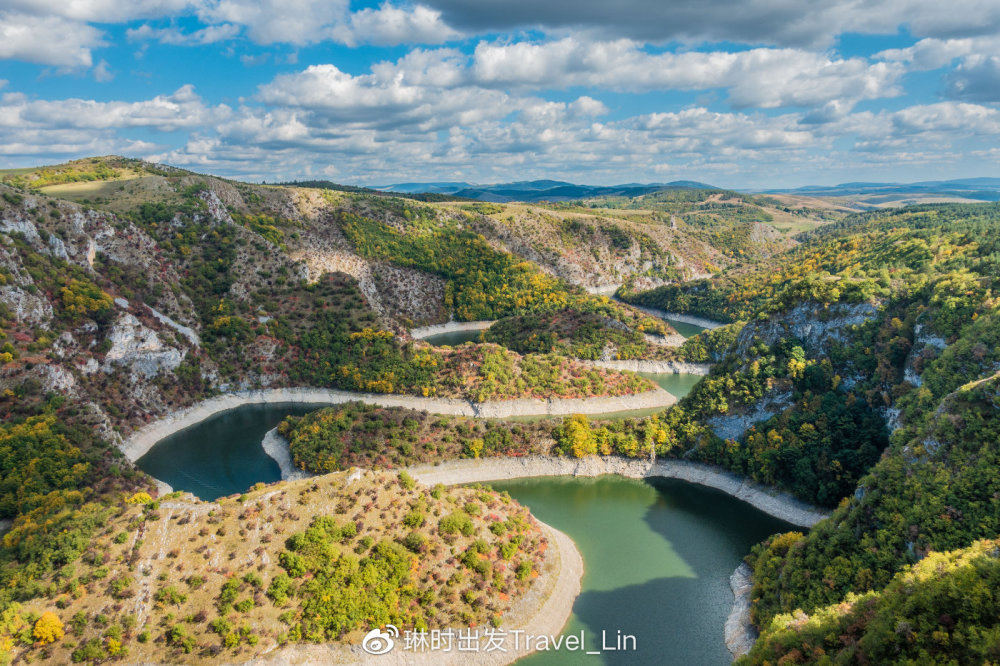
(360, 435)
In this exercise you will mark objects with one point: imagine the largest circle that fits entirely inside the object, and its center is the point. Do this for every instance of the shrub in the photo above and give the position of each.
(279, 589)
(456, 523)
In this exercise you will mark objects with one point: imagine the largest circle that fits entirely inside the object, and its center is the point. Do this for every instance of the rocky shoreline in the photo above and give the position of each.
(144, 438)
(676, 316)
(451, 327)
(771, 502)
(740, 633)
(276, 446)
(656, 367)
(455, 472)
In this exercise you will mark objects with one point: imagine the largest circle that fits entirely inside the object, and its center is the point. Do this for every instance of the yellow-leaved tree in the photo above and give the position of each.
(48, 629)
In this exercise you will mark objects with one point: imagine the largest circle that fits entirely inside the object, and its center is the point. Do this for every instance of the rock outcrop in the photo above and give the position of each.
(139, 348)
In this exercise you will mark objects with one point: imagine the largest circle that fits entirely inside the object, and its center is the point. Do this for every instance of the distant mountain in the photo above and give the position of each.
(537, 190)
(435, 188)
(983, 189)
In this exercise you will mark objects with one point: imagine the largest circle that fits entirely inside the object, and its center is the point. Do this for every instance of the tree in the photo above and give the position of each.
(580, 437)
(48, 629)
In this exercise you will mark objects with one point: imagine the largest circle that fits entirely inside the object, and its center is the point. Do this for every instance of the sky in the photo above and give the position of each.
(737, 93)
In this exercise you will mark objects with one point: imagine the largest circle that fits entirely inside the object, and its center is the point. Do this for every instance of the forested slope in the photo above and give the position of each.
(895, 312)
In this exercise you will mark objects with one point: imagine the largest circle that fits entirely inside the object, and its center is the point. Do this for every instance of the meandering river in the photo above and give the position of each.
(657, 554)
(222, 455)
(453, 338)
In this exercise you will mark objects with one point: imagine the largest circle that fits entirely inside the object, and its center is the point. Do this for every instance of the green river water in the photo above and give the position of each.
(657, 557)
(453, 339)
(222, 454)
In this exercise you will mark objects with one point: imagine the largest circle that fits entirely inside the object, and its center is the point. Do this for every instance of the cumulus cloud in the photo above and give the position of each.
(175, 37)
(763, 78)
(48, 40)
(296, 22)
(102, 11)
(389, 25)
(382, 99)
(976, 79)
(945, 117)
(103, 73)
(179, 110)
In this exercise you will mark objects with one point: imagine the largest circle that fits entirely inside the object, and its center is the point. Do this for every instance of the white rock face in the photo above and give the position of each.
(815, 325)
(216, 208)
(732, 426)
(57, 248)
(140, 348)
(27, 308)
(18, 224)
(658, 367)
(186, 331)
(740, 633)
(57, 379)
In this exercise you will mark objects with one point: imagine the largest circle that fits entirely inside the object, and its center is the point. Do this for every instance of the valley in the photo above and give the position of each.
(165, 332)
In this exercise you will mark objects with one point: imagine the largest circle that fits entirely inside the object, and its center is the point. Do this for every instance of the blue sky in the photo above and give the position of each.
(739, 93)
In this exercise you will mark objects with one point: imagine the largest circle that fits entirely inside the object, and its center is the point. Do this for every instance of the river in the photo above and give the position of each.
(657, 554)
(453, 338)
(657, 559)
(222, 455)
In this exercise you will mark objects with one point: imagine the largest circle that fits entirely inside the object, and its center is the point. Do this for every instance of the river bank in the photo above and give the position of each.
(451, 327)
(740, 633)
(655, 367)
(676, 316)
(143, 439)
(672, 340)
(276, 446)
(456, 472)
(544, 610)
(771, 502)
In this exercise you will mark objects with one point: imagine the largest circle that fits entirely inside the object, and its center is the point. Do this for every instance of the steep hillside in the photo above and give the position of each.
(174, 580)
(136, 314)
(942, 610)
(895, 314)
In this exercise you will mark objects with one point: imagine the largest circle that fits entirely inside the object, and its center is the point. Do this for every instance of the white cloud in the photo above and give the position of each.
(586, 106)
(389, 25)
(933, 53)
(762, 78)
(384, 99)
(102, 11)
(183, 109)
(47, 143)
(175, 37)
(278, 21)
(47, 40)
(968, 119)
(977, 79)
(103, 73)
